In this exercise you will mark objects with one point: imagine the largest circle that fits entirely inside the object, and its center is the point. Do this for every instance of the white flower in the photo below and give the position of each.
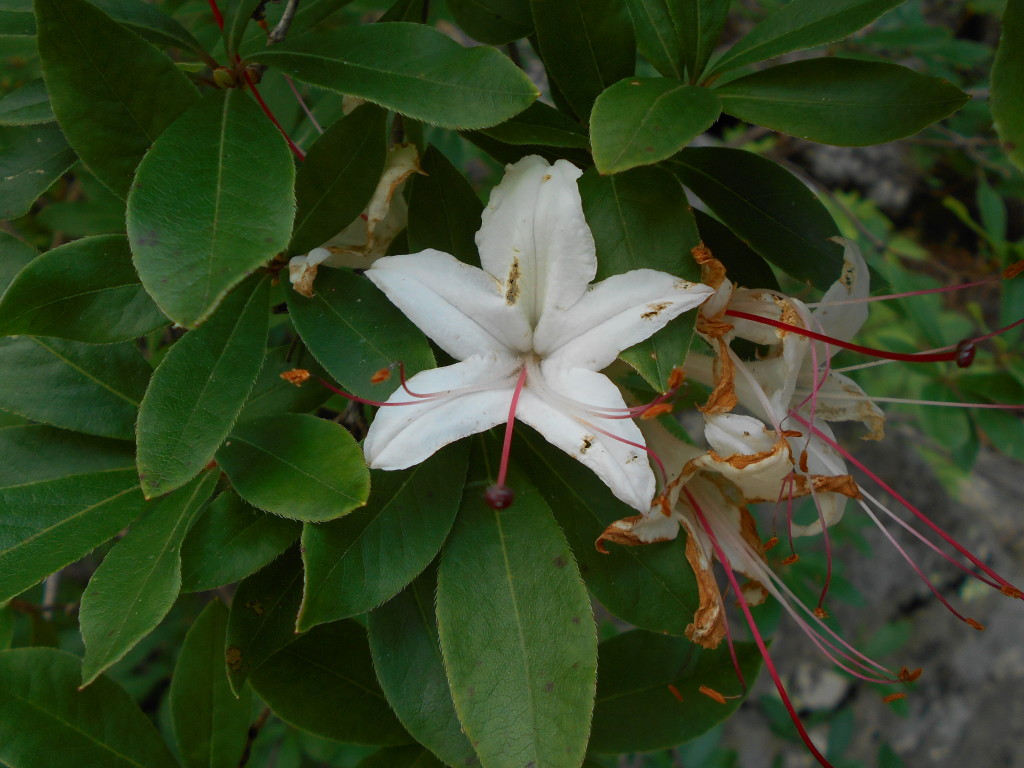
(530, 333)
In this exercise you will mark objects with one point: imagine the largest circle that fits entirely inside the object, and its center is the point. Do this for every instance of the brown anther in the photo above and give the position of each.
(211, 465)
(296, 376)
(820, 612)
(792, 433)
(711, 693)
(675, 692)
(771, 543)
(676, 378)
(803, 462)
(381, 376)
(908, 675)
(894, 697)
(656, 410)
(791, 559)
(975, 624)
(1013, 270)
(1011, 591)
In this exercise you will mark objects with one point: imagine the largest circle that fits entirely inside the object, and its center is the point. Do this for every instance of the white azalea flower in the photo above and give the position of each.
(530, 334)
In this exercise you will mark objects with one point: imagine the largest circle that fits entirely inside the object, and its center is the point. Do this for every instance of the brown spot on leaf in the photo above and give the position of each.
(255, 606)
(559, 562)
(549, 686)
(233, 657)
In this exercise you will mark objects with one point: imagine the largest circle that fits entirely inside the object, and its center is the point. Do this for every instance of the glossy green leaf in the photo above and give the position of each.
(678, 36)
(32, 157)
(1007, 99)
(149, 22)
(138, 581)
(111, 113)
(86, 290)
(407, 658)
(540, 125)
(27, 105)
(354, 331)
(636, 711)
(297, 466)
(199, 389)
(231, 540)
(409, 68)
(356, 563)
(43, 715)
(272, 394)
(238, 14)
(641, 219)
(586, 45)
(643, 120)
(444, 211)
(841, 101)
(212, 201)
(56, 519)
(338, 177)
(767, 207)
(263, 614)
(34, 453)
(210, 724)
(15, 254)
(411, 756)
(84, 387)
(494, 22)
(521, 662)
(405, 10)
(98, 211)
(649, 587)
(743, 266)
(801, 24)
(334, 661)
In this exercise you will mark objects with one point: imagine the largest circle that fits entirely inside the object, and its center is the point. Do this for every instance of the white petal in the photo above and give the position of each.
(623, 468)
(458, 306)
(844, 320)
(614, 315)
(841, 399)
(403, 435)
(534, 238)
(730, 433)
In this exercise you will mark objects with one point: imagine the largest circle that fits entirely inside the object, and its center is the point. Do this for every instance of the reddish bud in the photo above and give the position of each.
(965, 353)
(499, 497)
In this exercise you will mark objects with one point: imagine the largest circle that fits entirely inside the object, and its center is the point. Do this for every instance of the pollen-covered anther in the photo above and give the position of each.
(974, 624)
(791, 559)
(381, 376)
(820, 612)
(1011, 591)
(771, 543)
(676, 378)
(656, 410)
(893, 697)
(909, 675)
(675, 692)
(296, 376)
(711, 693)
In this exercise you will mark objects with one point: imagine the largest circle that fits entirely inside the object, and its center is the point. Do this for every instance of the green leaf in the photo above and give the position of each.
(27, 105)
(586, 45)
(15, 254)
(743, 266)
(86, 290)
(412, 756)
(296, 466)
(17, 23)
(52, 521)
(31, 159)
(231, 540)
(540, 125)
(212, 201)
(521, 662)
(767, 207)
(494, 22)
(210, 724)
(841, 101)
(650, 587)
(444, 211)
(641, 219)
(643, 120)
(84, 387)
(199, 389)
(151, 23)
(354, 331)
(272, 394)
(636, 711)
(678, 36)
(334, 661)
(356, 563)
(138, 581)
(239, 15)
(409, 68)
(801, 24)
(1007, 99)
(44, 718)
(111, 113)
(34, 453)
(263, 613)
(338, 177)
(407, 658)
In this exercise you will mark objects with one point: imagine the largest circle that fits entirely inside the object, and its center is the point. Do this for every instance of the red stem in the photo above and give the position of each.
(266, 110)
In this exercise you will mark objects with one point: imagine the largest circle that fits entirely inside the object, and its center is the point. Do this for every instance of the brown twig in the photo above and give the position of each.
(277, 34)
(254, 731)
